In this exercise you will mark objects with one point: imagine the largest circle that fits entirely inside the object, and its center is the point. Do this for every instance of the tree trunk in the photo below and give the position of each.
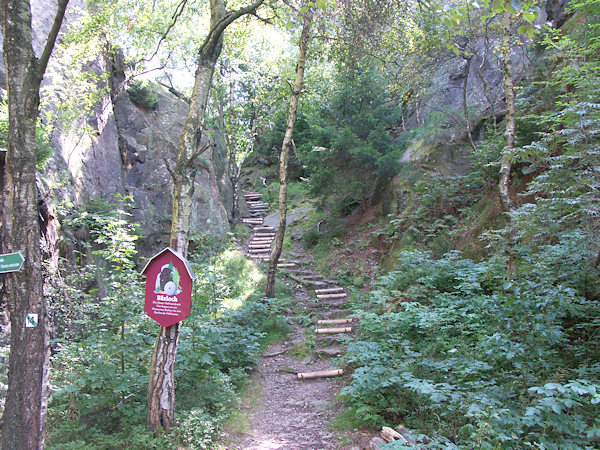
(24, 419)
(161, 384)
(285, 152)
(509, 131)
(464, 102)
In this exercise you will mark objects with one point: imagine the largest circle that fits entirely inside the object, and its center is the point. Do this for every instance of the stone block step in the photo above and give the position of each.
(313, 277)
(331, 296)
(330, 303)
(333, 313)
(336, 290)
(302, 272)
(331, 352)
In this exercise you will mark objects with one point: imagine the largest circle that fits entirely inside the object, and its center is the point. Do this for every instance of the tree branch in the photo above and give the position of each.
(169, 169)
(215, 33)
(198, 153)
(51, 40)
(178, 11)
(174, 91)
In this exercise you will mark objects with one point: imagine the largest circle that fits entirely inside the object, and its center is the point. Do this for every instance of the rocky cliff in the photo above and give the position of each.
(121, 148)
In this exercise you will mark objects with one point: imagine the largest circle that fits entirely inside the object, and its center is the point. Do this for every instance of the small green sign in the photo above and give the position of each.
(11, 262)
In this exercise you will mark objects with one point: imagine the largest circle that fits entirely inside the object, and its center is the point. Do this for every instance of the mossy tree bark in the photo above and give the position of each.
(285, 152)
(509, 130)
(161, 385)
(24, 418)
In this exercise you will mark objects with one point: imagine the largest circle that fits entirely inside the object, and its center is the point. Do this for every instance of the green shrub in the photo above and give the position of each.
(503, 363)
(141, 94)
(310, 239)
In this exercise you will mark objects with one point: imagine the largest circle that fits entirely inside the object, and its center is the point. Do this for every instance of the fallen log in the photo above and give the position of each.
(334, 321)
(321, 374)
(334, 330)
(390, 435)
(296, 279)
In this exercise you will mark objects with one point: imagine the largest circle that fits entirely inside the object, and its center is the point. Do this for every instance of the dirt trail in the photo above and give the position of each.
(290, 413)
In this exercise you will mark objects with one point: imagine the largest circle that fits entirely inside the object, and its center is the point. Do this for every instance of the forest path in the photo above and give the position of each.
(285, 412)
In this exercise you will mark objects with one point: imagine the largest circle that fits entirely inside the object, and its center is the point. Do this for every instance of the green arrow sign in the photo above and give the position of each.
(11, 262)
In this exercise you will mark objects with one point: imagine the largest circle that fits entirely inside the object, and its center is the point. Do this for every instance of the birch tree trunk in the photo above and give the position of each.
(24, 418)
(285, 152)
(161, 384)
(509, 131)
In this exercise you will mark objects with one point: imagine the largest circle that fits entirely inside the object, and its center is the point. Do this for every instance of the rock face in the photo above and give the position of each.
(120, 148)
(147, 138)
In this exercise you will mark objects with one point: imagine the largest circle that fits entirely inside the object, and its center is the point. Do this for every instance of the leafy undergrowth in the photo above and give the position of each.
(473, 357)
(102, 352)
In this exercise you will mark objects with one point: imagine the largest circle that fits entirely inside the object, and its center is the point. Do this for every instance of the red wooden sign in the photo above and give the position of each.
(168, 287)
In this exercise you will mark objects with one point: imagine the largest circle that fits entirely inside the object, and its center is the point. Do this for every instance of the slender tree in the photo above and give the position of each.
(509, 130)
(24, 419)
(161, 385)
(285, 152)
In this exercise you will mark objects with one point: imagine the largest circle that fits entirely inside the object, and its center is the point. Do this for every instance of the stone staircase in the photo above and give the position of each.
(329, 304)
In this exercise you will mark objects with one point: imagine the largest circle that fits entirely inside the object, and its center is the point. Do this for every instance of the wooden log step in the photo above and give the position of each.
(259, 250)
(256, 197)
(336, 290)
(251, 220)
(334, 321)
(266, 228)
(331, 296)
(285, 265)
(265, 248)
(259, 242)
(333, 330)
(321, 374)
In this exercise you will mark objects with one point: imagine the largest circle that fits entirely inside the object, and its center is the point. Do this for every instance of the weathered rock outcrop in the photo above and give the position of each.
(120, 148)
